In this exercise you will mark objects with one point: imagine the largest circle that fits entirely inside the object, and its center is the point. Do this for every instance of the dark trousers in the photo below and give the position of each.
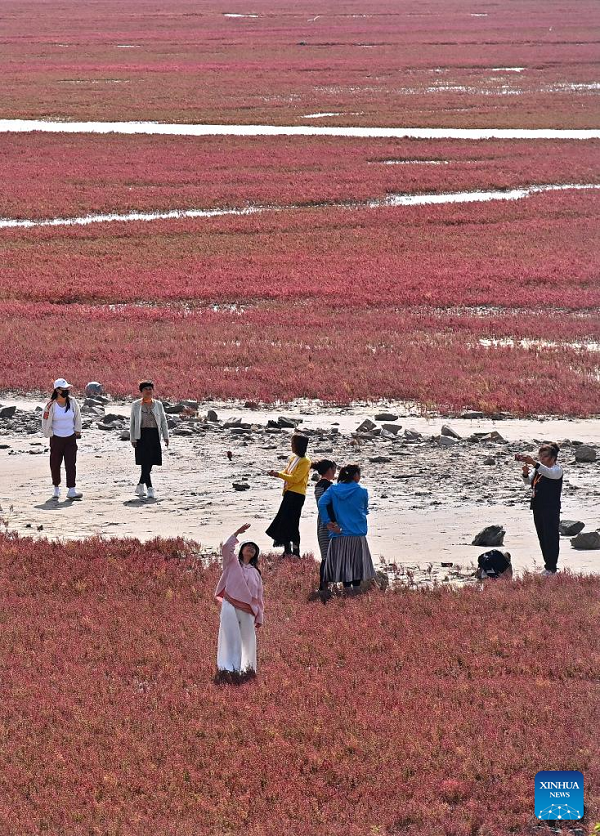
(145, 475)
(63, 448)
(546, 524)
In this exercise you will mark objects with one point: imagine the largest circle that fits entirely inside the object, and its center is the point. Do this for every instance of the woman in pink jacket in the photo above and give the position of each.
(240, 593)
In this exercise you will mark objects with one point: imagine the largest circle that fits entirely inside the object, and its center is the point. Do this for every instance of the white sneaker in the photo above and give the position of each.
(73, 493)
(151, 494)
(546, 573)
(140, 490)
(56, 492)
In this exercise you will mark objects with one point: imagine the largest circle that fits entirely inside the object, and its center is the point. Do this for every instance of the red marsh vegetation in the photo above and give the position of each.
(392, 713)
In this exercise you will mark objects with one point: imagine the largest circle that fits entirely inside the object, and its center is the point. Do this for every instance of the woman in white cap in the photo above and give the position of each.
(61, 423)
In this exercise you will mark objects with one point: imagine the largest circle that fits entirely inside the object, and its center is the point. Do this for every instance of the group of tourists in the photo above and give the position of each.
(343, 507)
(61, 423)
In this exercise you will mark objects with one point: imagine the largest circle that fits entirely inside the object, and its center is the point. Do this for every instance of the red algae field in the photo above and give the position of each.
(213, 261)
(402, 713)
(447, 272)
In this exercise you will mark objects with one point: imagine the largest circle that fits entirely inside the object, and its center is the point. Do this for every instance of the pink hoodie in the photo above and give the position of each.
(240, 582)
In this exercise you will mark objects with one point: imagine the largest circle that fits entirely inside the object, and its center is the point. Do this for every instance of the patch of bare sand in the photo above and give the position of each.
(427, 503)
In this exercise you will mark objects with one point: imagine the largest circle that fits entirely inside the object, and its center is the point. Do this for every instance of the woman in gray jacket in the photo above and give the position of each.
(148, 423)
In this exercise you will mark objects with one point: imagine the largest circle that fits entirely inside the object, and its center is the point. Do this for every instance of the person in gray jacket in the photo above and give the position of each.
(148, 423)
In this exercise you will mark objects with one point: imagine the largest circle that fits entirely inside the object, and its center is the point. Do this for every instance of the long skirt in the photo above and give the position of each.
(348, 559)
(148, 451)
(237, 640)
(285, 528)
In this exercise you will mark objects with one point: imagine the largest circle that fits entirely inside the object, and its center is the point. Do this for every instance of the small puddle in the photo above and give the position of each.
(512, 342)
(476, 197)
(412, 162)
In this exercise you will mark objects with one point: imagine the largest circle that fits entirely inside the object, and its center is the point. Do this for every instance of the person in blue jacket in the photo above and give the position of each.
(348, 556)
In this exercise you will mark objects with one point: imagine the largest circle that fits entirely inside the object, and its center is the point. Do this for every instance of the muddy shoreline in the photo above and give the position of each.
(427, 500)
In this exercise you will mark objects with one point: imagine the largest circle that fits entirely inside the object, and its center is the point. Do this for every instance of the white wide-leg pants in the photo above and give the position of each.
(237, 640)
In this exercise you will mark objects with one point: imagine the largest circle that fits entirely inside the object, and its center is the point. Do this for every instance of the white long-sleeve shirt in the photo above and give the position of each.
(554, 472)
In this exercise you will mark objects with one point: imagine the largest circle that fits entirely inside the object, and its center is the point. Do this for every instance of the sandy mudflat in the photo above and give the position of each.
(427, 503)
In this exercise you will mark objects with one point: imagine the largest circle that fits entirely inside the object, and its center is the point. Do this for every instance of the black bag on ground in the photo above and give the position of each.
(492, 564)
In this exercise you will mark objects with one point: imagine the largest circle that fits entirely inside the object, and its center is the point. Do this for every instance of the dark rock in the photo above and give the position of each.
(492, 535)
(174, 409)
(125, 435)
(448, 431)
(590, 540)
(7, 411)
(584, 453)
(493, 436)
(379, 459)
(288, 423)
(108, 425)
(240, 430)
(5, 447)
(193, 405)
(232, 422)
(181, 429)
(93, 389)
(111, 416)
(446, 441)
(241, 486)
(471, 414)
(391, 428)
(489, 460)
(251, 405)
(211, 415)
(386, 416)
(366, 426)
(412, 435)
(569, 528)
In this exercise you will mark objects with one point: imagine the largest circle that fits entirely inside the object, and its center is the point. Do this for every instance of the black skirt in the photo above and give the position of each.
(148, 450)
(285, 528)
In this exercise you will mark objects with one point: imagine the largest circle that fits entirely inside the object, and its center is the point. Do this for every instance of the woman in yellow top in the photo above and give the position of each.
(285, 528)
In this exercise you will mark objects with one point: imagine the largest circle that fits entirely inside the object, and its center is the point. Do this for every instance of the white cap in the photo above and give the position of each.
(61, 383)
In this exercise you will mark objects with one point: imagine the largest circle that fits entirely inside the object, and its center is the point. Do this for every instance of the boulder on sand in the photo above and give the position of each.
(590, 540)
(569, 528)
(492, 535)
(448, 431)
(585, 453)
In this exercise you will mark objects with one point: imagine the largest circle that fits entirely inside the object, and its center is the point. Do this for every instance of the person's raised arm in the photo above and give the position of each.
(228, 547)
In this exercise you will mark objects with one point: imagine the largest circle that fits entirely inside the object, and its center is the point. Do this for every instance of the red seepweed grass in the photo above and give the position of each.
(391, 713)
(435, 62)
(272, 351)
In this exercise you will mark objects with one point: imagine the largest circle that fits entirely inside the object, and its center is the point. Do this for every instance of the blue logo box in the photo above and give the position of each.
(559, 795)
